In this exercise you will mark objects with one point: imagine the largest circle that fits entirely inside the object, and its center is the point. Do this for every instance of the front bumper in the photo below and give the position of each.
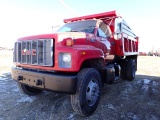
(48, 81)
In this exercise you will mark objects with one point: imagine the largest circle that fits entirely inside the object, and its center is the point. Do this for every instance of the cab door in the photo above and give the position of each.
(101, 39)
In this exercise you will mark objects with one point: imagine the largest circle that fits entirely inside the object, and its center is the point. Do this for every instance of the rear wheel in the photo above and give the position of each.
(130, 69)
(87, 96)
(28, 90)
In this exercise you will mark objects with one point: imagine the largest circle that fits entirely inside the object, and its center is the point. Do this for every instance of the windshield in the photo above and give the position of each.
(79, 26)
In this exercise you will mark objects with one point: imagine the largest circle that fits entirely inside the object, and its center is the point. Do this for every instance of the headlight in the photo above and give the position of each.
(66, 57)
(64, 60)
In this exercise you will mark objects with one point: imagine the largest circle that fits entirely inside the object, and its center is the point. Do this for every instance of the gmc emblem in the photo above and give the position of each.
(28, 52)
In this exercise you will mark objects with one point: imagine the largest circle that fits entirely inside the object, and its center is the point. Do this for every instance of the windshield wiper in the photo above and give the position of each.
(74, 31)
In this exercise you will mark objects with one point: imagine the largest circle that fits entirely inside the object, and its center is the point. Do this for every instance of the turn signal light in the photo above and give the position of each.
(69, 42)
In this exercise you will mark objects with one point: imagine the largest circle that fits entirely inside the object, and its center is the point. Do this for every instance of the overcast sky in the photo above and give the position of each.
(20, 18)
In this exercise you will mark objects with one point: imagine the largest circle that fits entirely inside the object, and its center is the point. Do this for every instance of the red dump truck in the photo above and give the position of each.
(78, 59)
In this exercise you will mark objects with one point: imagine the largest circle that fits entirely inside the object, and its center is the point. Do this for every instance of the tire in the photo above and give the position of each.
(122, 64)
(88, 93)
(130, 70)
(29, 90)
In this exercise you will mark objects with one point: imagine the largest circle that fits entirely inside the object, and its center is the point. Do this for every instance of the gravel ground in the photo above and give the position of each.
(124, 100)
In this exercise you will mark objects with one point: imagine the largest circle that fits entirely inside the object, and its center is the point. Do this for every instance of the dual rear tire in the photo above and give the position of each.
(128, 69)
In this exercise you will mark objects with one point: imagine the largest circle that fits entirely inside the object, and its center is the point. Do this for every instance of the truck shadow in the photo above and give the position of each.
(140, 82)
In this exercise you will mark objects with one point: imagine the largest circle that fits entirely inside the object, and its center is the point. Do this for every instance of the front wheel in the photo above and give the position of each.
(28, 90)
(87, 96)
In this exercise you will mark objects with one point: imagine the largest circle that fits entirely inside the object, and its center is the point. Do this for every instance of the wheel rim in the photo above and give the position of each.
(92, 92)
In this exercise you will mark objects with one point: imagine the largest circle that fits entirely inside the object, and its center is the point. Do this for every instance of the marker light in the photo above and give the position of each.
(69, 42)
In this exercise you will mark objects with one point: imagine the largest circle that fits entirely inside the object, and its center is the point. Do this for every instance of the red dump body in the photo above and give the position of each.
(128, 44)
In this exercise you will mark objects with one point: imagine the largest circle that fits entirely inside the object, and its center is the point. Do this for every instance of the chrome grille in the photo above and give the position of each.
(34, 52)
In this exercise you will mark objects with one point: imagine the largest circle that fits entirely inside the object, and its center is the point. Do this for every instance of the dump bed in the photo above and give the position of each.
(126, 42)
(103, 16)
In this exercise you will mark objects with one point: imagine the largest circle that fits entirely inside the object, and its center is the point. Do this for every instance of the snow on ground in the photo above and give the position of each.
(70, 117)
(146, 81)
(25, 98)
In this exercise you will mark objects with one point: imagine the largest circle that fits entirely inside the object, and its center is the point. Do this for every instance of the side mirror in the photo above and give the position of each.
(117, 36)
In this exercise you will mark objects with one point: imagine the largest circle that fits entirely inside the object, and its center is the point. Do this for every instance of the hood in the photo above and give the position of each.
(59, 36)
(73, 35)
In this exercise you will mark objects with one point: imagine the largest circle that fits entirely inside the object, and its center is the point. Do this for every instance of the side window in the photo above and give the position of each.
(101, 33)
(104, 30)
